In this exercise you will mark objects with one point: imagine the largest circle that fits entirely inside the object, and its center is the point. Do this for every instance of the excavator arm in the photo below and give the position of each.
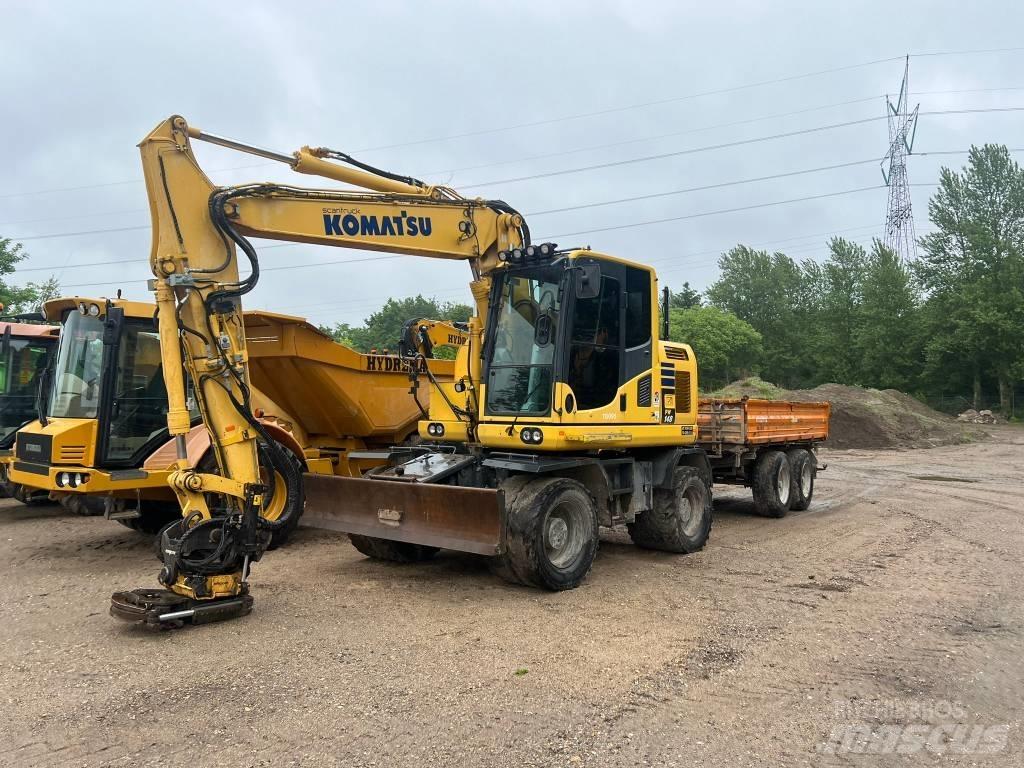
(422, 336)
(198, 229)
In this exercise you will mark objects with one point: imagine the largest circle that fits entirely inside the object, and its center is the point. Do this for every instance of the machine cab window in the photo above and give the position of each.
(522, 355)
(596, 346)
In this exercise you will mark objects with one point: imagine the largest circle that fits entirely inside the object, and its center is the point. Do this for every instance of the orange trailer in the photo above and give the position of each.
(767, 445)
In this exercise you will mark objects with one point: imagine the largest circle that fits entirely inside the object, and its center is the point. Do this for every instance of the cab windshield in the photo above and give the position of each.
(77, 375)
(20, 369)
(136, 412)
(520, 372)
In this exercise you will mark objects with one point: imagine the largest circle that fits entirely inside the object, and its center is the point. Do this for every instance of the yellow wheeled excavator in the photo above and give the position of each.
(566, 411)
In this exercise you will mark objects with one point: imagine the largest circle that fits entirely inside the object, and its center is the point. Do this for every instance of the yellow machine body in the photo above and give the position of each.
(198, 229)
(330, 405)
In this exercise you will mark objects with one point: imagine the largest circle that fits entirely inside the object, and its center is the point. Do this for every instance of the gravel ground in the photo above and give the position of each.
(895, 601)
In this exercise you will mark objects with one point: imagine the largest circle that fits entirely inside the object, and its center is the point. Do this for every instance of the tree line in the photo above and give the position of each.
(948, 323)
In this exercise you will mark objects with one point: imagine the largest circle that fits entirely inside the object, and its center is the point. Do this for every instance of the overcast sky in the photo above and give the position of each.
(400, 84)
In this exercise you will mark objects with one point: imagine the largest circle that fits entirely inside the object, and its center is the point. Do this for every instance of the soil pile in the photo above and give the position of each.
(869, 418)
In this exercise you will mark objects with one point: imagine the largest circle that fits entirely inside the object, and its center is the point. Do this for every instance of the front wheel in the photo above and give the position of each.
(680, 520)
(551, 532)
(282, 498)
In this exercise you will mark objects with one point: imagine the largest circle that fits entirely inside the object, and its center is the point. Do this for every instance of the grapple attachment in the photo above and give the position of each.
(163, 609)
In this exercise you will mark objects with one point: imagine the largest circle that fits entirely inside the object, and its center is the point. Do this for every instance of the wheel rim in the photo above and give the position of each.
(690, 508)
(782, 482)
(565, 533)
(273, 507)
(805, 480)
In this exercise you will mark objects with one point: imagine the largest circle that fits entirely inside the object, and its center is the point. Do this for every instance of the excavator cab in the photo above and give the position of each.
(570, 343)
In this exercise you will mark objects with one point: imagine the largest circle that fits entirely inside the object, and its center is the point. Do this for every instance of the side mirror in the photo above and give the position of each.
(112, 325)
(5, 345)
(542, 334)
(588, 281)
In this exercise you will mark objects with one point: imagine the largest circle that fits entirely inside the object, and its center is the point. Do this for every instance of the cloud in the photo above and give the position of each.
(82, 83)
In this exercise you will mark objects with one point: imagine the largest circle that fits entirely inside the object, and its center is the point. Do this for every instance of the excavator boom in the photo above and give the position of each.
(197, 229)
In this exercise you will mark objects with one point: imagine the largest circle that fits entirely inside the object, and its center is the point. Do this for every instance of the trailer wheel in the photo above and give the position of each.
(772, 484)
(680, 520)
(392, 551)
(802, 469)
(550, 536)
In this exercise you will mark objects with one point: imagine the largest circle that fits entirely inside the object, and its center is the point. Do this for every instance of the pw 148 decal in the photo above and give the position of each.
(376, 226)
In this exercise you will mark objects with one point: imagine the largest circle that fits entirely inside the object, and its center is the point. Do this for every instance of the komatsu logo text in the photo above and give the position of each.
(354, 225)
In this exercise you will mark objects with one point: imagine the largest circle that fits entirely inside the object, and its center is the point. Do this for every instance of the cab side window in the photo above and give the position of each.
(638, 307)
(594, 357)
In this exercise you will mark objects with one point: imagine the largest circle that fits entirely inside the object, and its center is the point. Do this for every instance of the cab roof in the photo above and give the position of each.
(30, 330)
(54, 308)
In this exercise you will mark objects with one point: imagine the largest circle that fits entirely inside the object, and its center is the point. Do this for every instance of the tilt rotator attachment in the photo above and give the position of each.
(205, 569)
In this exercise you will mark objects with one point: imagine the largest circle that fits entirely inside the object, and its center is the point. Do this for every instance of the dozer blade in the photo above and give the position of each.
(433, 514)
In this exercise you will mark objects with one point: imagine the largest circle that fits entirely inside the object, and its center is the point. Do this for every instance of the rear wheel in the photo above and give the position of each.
(772, 484)
(680, 520)
(80, 504)
(802, 469)
(550, 533)
(392, 551)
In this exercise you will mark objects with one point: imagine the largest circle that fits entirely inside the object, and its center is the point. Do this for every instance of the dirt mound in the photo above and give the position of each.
(869, 418)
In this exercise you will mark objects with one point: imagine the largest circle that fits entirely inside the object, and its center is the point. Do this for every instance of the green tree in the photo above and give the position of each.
(726, 347)
(687, 298)
(383, 328)
(28, 297)
(765, 290)
(840, 284)
(972, 269)
(888, 337)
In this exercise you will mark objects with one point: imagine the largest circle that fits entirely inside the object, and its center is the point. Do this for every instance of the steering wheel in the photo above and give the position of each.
(547, 300)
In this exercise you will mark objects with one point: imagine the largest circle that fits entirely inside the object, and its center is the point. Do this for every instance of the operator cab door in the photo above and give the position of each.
(609, 341)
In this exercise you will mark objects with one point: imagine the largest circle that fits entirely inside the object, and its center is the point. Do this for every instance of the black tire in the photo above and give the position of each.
(680, 521)
(81, 504)
(295, 497)
(293, 503)
(771, 484)
(153, 517)
(802, 468)
(550, 536)
(392, 551)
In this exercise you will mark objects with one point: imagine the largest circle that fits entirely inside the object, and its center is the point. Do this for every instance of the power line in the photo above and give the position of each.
(542, 156)
(534, 213)
(582, 206)
(713, 213)
(704, 187)
(629, 107)
(719, 126)
(727, 145)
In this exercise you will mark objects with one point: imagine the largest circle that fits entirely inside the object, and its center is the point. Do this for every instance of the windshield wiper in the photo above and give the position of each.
(44, 383)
